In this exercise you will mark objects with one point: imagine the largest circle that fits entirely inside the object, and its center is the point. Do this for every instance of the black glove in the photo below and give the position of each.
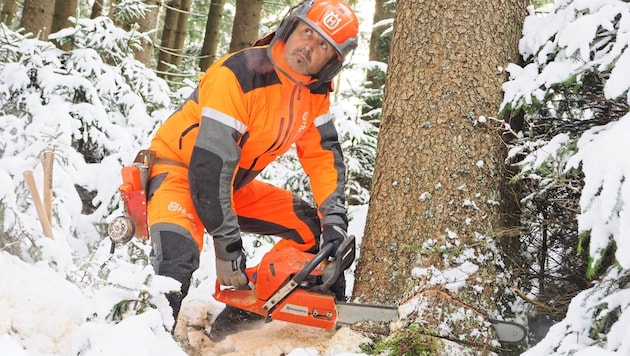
(232, 272)
(333, 234)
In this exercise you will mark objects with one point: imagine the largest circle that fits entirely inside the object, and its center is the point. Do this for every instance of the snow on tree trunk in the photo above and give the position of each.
(439, 203)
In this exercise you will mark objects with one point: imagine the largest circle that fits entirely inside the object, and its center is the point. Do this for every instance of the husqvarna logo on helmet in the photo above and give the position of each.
(331, 20)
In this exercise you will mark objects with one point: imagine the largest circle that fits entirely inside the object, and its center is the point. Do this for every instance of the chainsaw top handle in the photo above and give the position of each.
(310, 266)
(344, 256)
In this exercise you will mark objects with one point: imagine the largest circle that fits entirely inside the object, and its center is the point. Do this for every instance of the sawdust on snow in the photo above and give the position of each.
(276, 338)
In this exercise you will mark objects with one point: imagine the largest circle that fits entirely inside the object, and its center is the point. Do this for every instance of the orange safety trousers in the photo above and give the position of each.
(261, 208)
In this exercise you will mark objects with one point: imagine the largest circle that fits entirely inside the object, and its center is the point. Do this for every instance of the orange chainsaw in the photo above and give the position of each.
(293, 286)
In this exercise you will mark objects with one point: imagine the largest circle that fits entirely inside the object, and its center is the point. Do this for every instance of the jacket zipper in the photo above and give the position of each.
(296, 89)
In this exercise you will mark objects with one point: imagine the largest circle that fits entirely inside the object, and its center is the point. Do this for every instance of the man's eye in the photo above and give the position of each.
(323, 44)
(308, 31)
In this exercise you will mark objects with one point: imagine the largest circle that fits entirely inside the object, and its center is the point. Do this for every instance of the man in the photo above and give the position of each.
(249, 108)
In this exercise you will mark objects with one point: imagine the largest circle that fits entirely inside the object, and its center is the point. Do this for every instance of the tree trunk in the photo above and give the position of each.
(37, 17)
(246, 24)
(97, 9)
(64, 10)
(112, 11)
(181, 33)
(379, 45)
(9, 7)
(211, 37)
(438, 198)
(168, 37)
(146, 24)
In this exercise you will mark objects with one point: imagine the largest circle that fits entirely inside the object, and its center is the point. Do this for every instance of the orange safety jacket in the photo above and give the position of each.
(248, 109)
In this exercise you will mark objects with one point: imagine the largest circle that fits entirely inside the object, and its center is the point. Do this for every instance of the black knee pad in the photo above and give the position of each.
(174, 255)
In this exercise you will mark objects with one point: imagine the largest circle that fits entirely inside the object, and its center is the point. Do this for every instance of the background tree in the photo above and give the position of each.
(63, 11)
(211, 37)
(181, 32)
(9, 7)
(148, 23)
(570, 208)
(438, 200)
(246, 24)
(37, 17)
(113, 4)
(97, 8)
(167, 45)
(379, 43)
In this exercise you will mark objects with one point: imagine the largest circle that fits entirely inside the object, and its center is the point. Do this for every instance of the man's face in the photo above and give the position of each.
(306, 51)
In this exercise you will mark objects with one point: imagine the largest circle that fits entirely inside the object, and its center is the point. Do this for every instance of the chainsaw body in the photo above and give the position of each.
(292, 286)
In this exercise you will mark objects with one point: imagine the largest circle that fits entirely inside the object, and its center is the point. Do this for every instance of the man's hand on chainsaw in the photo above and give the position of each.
(333, 234)
(232, 272)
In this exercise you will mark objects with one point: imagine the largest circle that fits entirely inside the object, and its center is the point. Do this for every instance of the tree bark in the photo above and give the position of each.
(112, 11)
(379, 45)
(246, 24)
(211, 37)
(37, 17)
(97, 9)
(9, 8)
(148, 23)
(168, 37)
(439, 203)
(181, 32)
(63, 11)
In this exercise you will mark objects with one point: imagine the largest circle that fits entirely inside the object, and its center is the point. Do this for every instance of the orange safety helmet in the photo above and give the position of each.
(334, 20)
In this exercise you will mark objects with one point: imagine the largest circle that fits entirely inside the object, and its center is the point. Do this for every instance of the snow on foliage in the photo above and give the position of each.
(579, 39)
(95, 107)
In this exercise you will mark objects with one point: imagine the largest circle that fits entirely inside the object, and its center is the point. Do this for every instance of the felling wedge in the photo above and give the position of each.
(293, 286)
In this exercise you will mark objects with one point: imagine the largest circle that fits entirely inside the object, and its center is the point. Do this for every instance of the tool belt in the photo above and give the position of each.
(133, 193)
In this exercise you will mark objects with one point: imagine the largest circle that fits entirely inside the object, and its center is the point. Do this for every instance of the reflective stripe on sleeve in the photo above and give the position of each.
(322, 119)
(224, 119)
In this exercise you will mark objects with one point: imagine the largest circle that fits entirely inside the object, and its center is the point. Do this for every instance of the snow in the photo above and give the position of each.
(63, 296)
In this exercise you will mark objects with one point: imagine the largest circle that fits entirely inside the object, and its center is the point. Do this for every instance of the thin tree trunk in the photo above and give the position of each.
(211, 37)
(97, 9)
(168, 37)
(112, 11)
(246, 24)
(146, 24)
(63, 11)
(181, 33)
(379, 46)
(9, 8)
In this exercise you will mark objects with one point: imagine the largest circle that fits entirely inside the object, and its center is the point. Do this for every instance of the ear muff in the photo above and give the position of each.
(329, 71)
